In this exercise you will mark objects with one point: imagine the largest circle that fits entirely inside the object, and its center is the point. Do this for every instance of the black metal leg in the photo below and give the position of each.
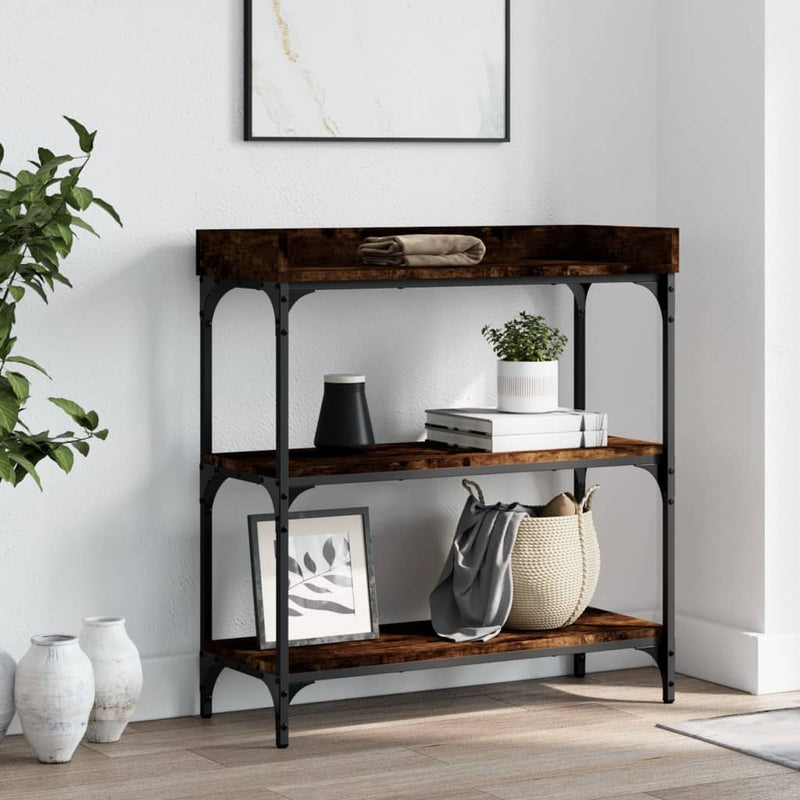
(579, 665)
(209, 672)
(667, 483)
(580, 293)
(280, 301)
(211, 292)
(271, 682)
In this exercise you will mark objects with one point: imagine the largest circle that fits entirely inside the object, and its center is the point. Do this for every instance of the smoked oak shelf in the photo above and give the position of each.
(407, 460)
(288, 264)
(329, 255)
(410, 645)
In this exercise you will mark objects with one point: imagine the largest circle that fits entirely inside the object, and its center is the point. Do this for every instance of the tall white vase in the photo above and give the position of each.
(8, 668)
(117, 676)
(54, 692)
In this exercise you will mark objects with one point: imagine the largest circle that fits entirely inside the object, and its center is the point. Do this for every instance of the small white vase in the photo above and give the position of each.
(8, 668)
(117, 676)
(54, 692)
(527, 386)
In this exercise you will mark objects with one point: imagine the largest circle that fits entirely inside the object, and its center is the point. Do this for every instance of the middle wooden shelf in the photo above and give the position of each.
(411, 460)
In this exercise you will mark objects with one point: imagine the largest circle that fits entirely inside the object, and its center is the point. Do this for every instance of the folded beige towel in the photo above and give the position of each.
(422, 250)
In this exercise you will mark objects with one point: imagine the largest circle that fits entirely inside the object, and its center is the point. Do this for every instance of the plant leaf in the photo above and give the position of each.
(103, 434)
(20, 385)
(329, 551)
(82, 448)
(309, 562)
(71, 408)
(108, 208)
(27, 362)
(80, 197)
(45, 155)
(317, 589)
(6, 468)
(66, 233)
(339, 580)
(9, 410)
(85, 139)
(62, 455)
(17, 292)
(295, 567)
(27, 466)
(85, 225)
(321, 605)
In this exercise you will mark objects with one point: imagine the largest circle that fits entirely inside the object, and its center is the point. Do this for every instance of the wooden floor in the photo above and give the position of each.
(552, 739)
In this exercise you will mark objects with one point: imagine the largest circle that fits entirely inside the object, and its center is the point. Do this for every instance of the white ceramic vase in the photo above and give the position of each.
(527, 386)
(117, 676)
(54, 692)
(8, 668)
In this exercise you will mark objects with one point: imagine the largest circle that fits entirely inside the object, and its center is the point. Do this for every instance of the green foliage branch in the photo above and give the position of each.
(526, 338)
(40, 214)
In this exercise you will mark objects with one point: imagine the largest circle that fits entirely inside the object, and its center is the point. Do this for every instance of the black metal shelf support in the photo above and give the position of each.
(283, 490)
(580, 292)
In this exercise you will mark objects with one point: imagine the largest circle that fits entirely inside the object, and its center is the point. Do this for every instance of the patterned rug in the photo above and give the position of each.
(771, 735)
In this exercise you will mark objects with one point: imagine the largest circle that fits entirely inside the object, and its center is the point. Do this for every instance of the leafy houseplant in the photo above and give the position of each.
(40, 213)
(527, 371)
(526, 338)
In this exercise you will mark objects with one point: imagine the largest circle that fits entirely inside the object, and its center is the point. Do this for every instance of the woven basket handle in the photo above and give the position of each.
(586, 503)
(477, 494)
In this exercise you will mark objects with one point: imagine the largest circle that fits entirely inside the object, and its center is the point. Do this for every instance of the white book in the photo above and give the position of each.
(501, 423)
(521, 441)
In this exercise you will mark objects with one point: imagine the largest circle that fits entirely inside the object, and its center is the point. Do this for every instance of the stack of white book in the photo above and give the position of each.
(502, 432)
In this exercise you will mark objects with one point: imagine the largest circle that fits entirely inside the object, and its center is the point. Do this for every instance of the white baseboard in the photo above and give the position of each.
(759, 663)
(716, 653)
(778, 662)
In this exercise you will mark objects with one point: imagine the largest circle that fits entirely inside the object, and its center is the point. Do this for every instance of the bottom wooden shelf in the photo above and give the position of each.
(414, 645)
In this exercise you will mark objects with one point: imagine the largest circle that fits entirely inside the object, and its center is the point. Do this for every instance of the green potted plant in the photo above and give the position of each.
(40, 214)
(527, 371)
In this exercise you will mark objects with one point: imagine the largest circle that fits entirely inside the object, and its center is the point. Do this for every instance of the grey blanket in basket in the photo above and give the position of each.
(472, 599)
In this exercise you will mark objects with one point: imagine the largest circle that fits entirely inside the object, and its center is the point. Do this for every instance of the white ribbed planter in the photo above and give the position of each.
(117, 676)
(527, 386)
(54, 692)
(8, 668)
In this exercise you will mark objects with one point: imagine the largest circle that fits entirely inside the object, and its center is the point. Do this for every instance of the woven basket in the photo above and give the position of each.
(555, 565)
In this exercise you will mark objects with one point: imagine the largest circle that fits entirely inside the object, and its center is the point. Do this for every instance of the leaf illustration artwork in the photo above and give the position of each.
(320, 576)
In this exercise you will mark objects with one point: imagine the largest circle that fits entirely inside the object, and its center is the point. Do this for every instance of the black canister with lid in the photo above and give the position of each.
(344, 424)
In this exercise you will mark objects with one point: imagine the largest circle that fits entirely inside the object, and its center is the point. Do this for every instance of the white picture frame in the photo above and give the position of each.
(367, 70)
(331, 578)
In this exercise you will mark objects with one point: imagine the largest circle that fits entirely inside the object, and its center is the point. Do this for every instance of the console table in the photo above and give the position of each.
(287, 265)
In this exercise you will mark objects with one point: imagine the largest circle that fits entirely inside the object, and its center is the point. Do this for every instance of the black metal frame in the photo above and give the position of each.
(248, 97)
(283, 490)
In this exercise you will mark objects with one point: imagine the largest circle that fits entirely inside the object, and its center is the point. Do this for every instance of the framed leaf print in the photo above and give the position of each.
(367, 70)
(331, 580)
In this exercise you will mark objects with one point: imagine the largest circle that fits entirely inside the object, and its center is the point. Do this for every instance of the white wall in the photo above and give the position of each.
(728, 176)
(782, 331)
(711, 185)
(782, 346)
(162, 83)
